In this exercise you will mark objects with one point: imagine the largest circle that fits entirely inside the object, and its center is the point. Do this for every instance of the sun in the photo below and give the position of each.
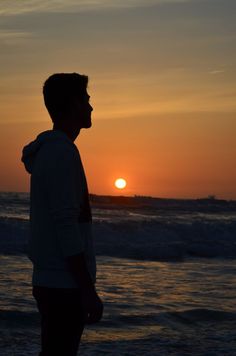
(120, 183)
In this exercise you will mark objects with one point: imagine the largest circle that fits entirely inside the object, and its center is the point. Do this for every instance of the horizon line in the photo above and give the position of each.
(209, 197)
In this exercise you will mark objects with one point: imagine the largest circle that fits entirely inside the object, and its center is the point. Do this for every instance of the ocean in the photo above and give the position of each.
(165, 272)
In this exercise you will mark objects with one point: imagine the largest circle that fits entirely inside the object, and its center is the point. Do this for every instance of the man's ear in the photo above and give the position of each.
(72, 109)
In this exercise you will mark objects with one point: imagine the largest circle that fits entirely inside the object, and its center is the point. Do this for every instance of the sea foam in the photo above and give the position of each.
(143, 240)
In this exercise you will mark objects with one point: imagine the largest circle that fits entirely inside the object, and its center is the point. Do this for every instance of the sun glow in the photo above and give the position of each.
(120, 183)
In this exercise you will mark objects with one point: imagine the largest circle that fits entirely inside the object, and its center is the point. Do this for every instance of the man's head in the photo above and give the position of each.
(67, 100)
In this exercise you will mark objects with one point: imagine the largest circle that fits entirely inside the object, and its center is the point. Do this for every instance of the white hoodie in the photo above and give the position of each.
(60, 215)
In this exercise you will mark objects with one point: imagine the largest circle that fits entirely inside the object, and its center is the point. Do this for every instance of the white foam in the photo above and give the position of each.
(147, 240)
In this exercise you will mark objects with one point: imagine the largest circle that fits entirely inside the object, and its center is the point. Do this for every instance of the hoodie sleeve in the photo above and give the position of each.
(64, 197)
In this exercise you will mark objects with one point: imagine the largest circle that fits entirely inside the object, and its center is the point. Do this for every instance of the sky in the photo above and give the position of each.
(162, 77)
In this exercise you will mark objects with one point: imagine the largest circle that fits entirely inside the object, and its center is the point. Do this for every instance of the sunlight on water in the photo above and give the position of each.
(166, 276)
(148, 305)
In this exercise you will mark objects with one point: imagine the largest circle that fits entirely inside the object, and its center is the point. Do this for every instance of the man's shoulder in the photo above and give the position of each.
(60, 150)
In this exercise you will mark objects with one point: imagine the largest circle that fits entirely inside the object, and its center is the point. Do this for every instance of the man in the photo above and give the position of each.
(61, 242)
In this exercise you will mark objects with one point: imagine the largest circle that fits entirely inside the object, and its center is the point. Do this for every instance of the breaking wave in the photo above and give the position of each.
(145, 240)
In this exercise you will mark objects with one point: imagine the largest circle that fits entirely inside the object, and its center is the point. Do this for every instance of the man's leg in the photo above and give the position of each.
(61, 320)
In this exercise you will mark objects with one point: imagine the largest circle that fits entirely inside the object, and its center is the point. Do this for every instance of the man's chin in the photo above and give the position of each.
(87, 125)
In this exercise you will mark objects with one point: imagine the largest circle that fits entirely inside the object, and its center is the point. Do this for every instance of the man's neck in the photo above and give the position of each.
(70, 133)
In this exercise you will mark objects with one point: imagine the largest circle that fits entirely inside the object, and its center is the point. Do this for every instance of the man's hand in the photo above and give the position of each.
(93, 307)
(92, 304)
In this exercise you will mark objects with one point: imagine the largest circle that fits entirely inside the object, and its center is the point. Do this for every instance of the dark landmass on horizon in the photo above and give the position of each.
(208, 204)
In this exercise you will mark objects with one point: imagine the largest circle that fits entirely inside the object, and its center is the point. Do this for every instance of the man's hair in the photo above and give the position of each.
(60, 90)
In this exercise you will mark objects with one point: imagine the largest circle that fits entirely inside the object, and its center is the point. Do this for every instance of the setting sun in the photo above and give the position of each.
(120, 183)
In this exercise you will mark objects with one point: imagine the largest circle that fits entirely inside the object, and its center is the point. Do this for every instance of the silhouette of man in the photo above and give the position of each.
(61, 242)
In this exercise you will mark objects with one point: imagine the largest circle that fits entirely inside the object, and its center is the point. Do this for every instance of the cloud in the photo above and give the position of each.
(8, 34)
(13, 36)
(217, 72)
(18, 7)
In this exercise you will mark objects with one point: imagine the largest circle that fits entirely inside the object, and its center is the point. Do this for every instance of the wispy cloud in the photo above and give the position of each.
(13, 37)
(18, 7)
(8, 34)
(214, 72)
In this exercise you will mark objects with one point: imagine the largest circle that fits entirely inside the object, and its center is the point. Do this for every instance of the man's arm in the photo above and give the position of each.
(65, 195)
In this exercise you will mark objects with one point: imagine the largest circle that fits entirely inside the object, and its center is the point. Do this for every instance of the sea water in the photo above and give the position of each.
(167, 279)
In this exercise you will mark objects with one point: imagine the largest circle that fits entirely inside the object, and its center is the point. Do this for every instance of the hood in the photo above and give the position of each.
(30, 151)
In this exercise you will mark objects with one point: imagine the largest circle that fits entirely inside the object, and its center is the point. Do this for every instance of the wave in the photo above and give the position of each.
(184, 317)
(15, 318)
(143, 240)
(202, 315)
(166, 241)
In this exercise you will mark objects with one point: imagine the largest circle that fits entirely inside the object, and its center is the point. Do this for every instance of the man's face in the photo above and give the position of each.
(82, 112)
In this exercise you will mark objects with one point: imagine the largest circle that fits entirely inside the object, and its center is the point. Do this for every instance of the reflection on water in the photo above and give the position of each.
(150, 307)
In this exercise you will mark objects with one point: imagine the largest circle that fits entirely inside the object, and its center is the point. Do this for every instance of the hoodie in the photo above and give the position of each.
(60, 215)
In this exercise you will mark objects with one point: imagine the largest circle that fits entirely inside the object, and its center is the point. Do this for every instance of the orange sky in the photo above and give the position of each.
(162, 85)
